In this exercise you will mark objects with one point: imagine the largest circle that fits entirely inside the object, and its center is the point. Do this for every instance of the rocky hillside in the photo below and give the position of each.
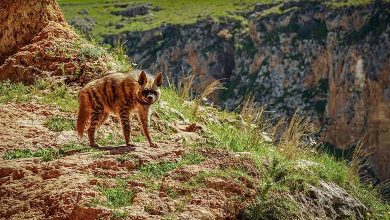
(329, 60)
(209, 163)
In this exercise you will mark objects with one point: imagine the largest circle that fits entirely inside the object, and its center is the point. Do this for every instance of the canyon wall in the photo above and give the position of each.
(330, 63)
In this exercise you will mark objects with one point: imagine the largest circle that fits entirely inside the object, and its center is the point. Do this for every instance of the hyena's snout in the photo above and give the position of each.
(151, 98)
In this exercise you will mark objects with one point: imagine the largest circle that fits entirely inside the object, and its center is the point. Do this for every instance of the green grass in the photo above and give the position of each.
(42, 92)
(172, 12)
(69, 147)
(59, 96)
(125, 157)
(151, 173)
(13, 92)
(277, 206)
(47, 154)
(170, 96)
(90, 51)
(158, 170)
(57, 123)
(116, 197)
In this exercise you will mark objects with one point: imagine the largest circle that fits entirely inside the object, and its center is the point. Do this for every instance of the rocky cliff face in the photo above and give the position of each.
(16, 31)
(330, 63)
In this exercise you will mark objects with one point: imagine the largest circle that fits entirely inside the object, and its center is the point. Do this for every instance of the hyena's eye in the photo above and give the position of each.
(148, 92)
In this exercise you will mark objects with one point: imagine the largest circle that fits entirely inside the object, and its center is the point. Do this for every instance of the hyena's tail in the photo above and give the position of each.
(83, 114)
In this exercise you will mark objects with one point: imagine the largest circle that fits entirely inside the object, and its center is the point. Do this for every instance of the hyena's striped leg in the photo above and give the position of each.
(103, 119)
(95, 119)
(143, 117)
(125, 121)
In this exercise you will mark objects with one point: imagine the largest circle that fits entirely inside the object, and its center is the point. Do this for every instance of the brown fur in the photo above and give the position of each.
(118, 94)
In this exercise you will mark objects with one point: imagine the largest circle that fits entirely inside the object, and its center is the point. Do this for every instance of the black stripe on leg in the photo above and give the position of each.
(113, 89)
(95, 119)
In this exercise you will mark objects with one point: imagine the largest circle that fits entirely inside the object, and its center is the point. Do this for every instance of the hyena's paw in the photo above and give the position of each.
(131, 145)
(154, 145)
(94, 145)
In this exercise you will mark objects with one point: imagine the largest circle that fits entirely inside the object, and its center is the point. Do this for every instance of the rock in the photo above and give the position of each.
(266, 137)
(306, 163)
(329, 201)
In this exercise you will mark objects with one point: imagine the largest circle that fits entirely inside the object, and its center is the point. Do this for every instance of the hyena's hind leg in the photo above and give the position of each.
(125, 121)
(103, 119)
(96, 118)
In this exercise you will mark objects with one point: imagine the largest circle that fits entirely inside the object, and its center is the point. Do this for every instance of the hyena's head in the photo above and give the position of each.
(149, 91)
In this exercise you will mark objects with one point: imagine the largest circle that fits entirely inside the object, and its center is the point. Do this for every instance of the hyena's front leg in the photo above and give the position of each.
(143, 117)
(95, 119)
(125, 121)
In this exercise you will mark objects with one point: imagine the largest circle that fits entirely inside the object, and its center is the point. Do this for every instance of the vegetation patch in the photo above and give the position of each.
(101, 18)
(47, 154)
(57, 124)
(170, 12)
(125, 157)
(158, 170)
(42, 92)
(279, 161)
(10, 92)
(116, 197)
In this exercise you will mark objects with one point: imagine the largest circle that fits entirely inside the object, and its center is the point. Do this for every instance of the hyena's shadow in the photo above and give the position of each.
(120, 149)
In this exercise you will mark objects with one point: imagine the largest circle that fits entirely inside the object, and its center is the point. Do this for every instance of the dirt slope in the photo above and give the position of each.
(61, 189)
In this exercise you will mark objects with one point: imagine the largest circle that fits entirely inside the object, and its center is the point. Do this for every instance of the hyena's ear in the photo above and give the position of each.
(142, 78)
(159, 79)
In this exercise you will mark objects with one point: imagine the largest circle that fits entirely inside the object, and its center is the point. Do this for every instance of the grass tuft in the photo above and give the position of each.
(206, 91)
(359, 158)
(124, 157)
(90, 51)
(10, 92)
(47, 154)
(57, 124)
(298, 130)
(188, 82)
(116, 197)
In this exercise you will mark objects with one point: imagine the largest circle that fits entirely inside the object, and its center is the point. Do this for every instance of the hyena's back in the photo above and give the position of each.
(105, 95)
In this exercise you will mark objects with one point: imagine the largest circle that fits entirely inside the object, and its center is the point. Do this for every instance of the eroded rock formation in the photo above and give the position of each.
(35, 40)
